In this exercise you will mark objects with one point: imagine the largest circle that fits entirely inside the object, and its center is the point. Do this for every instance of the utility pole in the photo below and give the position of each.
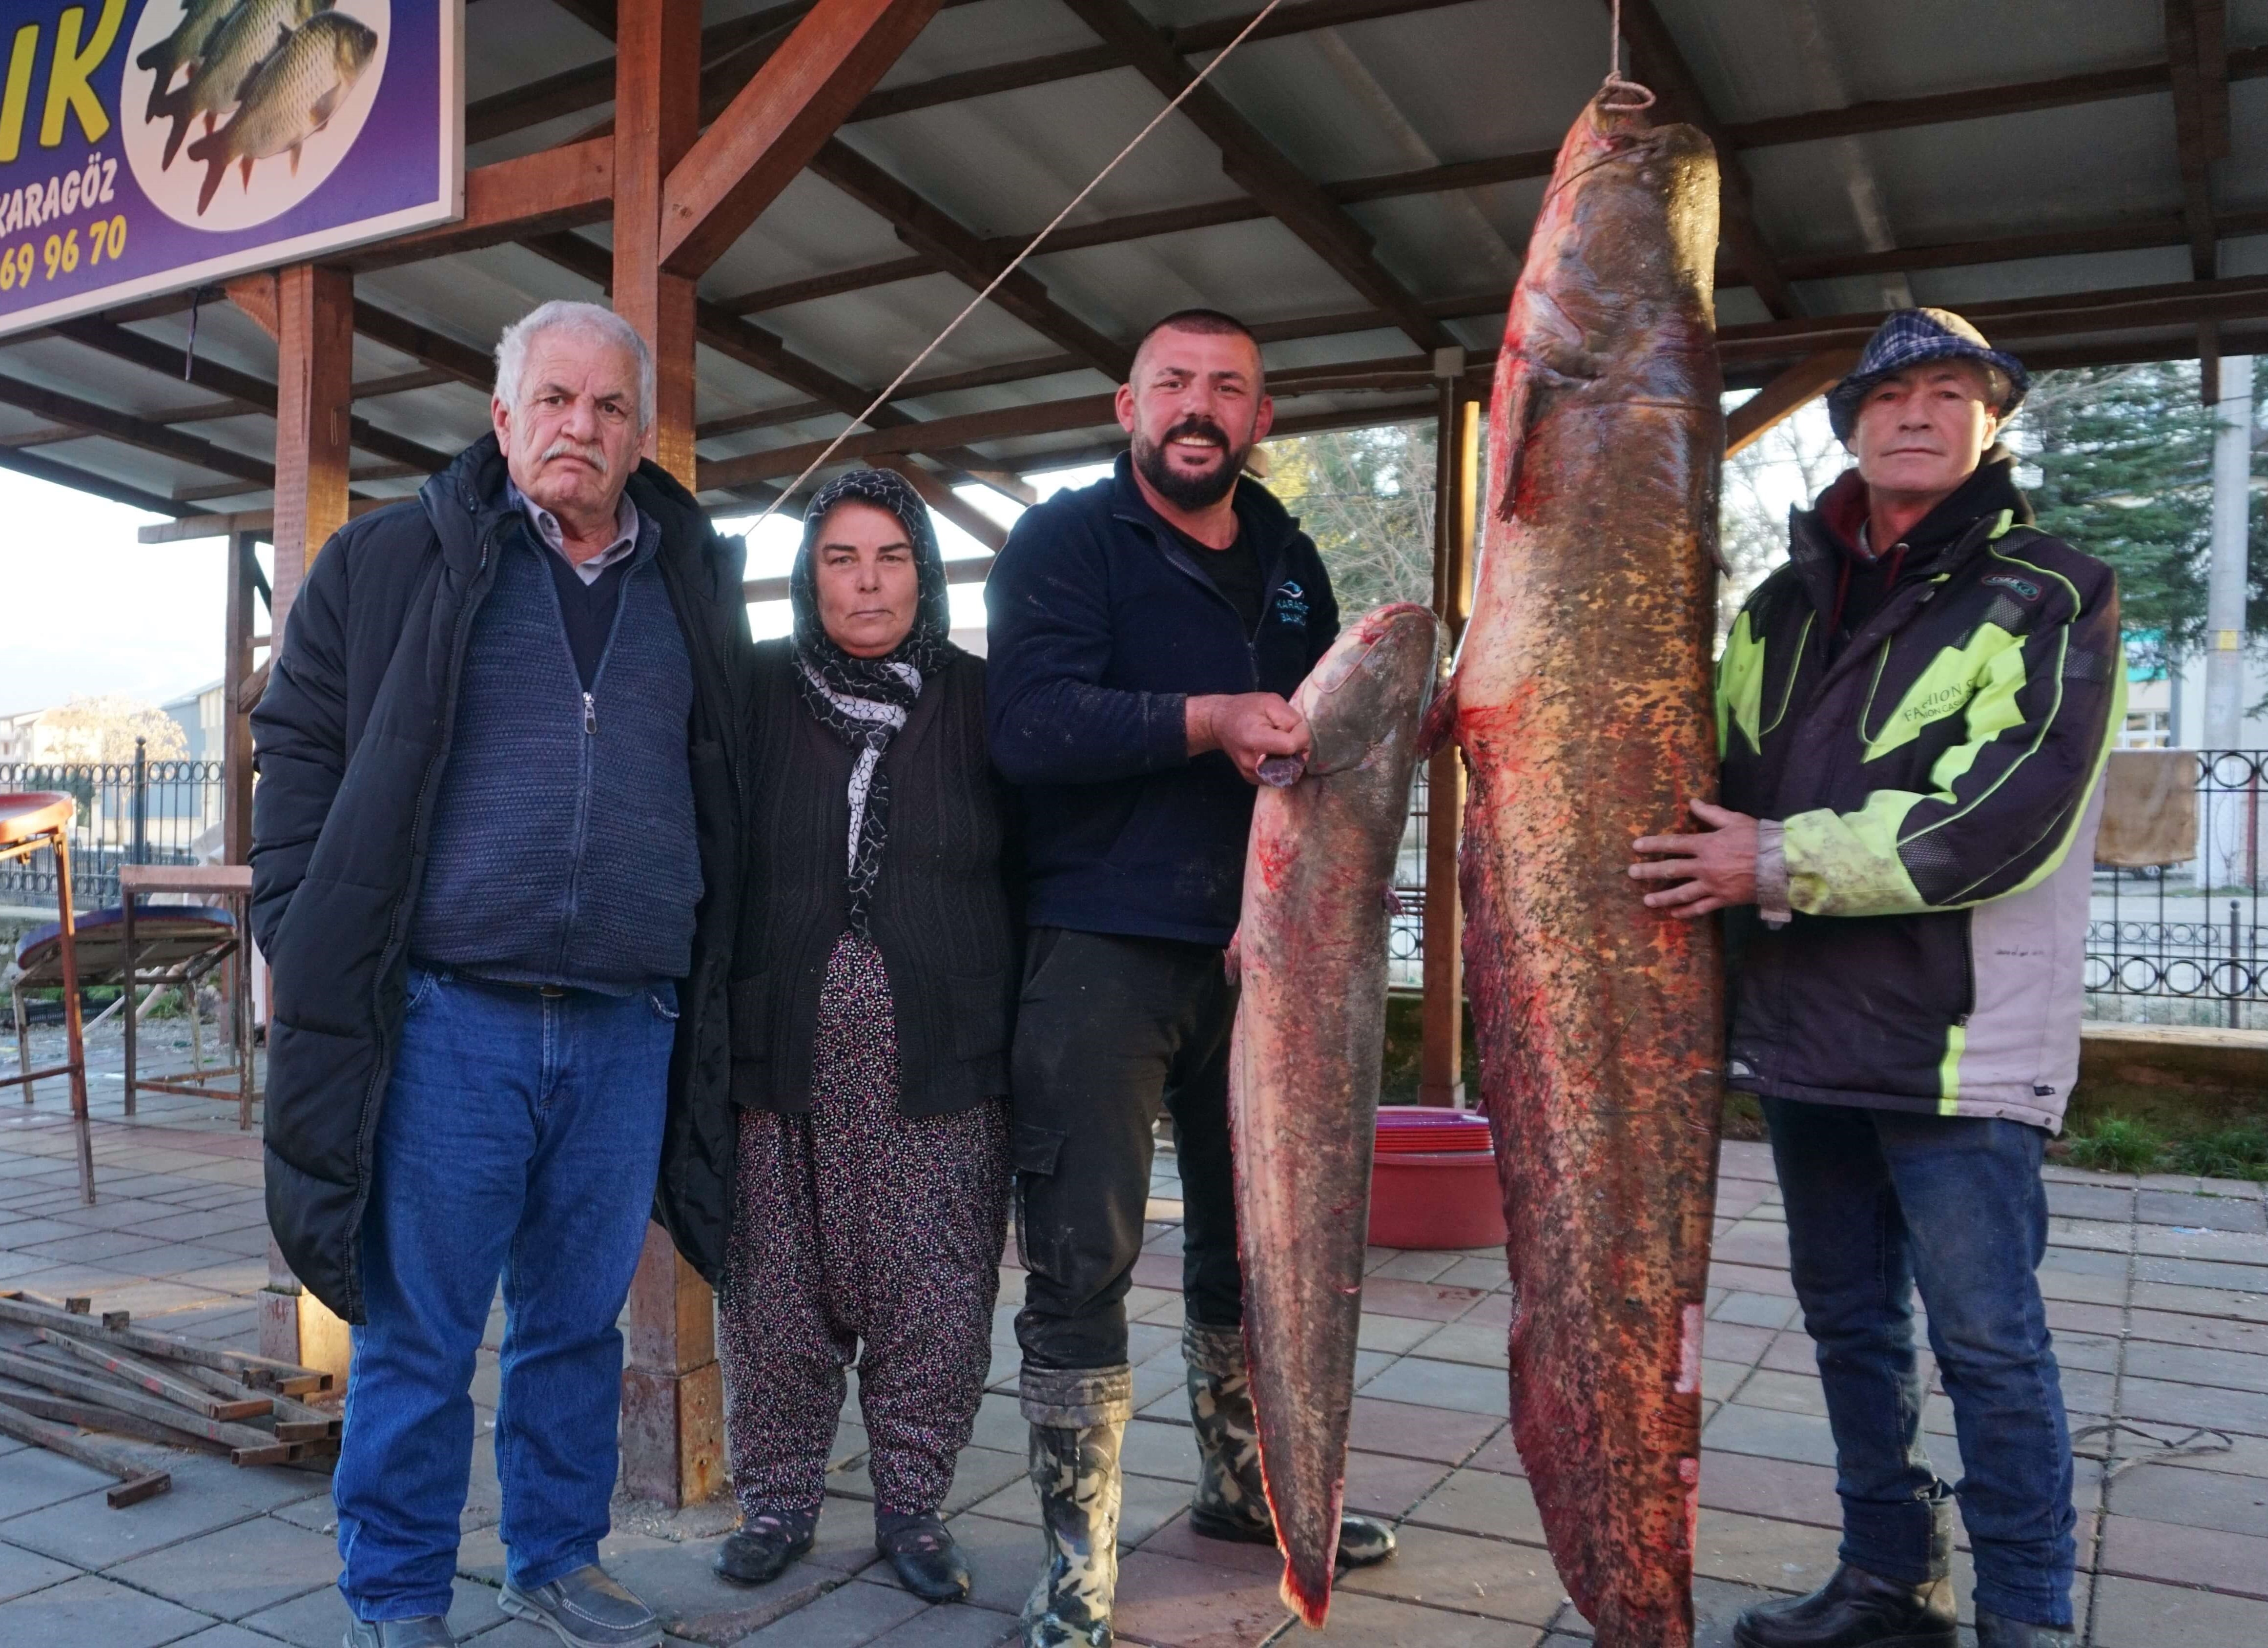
(2225, 588)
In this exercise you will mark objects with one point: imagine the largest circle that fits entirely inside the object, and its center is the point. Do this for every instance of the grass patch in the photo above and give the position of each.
(2117, 1144)
(2232, 1152)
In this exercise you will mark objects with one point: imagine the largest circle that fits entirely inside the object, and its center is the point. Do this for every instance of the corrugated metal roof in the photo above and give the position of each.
(1367, 98)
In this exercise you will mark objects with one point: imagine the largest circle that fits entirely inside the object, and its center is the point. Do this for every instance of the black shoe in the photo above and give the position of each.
(1856, 1609)
(1364, 1540)
(1995, 1630)
(429, 1631)
(760, 1550)
(922, 1551)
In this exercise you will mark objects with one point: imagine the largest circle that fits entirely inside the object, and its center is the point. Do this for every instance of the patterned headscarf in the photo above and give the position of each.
(865, 702)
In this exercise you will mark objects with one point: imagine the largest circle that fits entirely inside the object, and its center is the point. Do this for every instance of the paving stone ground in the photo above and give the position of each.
(2157, 1290)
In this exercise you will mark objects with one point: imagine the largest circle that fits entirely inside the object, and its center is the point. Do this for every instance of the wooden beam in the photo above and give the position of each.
(470, 366)
(2200, 112)
(403, 383)
(2121, 309)
(1050, 418)
(261, 523)
(1441, 1055)
(548, 192)
(597, 15)
(1785, 395)
(314, 394)
(240, 603)
(777, 123)
(1261, 169)
(966, 256)
(658, 69)
(254, 394)
(131, 431)
(86, 481)
(1208, 36)
(943, 500)
(1656, 60)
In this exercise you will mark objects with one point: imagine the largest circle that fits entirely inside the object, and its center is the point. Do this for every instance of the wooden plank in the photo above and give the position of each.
(264, 1371)
(295, 1421)
(43, 1404)
(1781, 399)
(136, 1481)
(548, 192)
(2200, 115)
(245, 1446)
(259, 523)
(773, 127)
(471, 367)
(181, 1391)
(314, 400)
(86, 481)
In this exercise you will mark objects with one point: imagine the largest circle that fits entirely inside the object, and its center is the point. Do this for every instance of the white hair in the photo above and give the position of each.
(589, 320)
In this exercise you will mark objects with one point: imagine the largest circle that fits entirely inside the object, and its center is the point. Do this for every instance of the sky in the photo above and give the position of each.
(85, 610)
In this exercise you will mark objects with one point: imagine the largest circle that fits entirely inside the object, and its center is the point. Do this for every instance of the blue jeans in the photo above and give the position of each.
(521, 1137)
(1878, 1202)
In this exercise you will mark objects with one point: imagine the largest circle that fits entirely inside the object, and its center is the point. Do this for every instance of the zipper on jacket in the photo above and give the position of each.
(589, 717)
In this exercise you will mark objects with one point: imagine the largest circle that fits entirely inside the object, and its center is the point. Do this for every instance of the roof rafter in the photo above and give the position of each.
(2195, 32)
(1261, 169)
(967, 256)
(132, 430)
(1656, 60)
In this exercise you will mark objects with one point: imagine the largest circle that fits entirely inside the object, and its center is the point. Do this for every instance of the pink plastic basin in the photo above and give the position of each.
(1433, 1182)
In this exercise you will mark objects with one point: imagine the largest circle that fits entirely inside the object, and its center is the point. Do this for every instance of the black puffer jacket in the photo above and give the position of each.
(351, 737)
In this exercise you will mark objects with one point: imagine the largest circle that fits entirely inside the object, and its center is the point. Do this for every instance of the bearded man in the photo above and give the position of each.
(1145, 633)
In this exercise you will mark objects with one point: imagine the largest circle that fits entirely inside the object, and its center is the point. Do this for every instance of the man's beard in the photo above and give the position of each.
(1179, 487)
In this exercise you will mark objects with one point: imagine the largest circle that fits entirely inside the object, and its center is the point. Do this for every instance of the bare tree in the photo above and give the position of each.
(104, 730)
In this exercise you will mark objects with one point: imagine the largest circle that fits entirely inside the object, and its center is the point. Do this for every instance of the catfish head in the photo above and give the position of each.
(1616, 301)
(1364, 696)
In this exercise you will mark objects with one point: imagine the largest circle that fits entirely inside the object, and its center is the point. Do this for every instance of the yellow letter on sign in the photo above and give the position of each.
(69, 73)
(20, 91)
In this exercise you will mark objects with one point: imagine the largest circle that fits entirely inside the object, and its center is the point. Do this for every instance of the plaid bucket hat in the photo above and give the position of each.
(1908, 338)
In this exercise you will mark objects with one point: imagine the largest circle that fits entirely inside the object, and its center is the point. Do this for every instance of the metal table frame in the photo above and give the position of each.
(231, 884)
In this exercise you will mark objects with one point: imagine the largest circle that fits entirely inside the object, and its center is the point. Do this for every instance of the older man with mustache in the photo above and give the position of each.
(494, 867)
(1145, 633)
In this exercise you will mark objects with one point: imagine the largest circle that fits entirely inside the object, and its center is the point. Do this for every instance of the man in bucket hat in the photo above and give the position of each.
(1912, 716)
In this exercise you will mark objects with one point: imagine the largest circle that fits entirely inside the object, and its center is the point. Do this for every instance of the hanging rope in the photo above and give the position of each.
(1615, 93)
(1017, 262)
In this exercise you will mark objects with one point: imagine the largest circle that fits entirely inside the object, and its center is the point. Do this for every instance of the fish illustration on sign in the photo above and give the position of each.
(238, 45)
(182, 49)
(287, 98)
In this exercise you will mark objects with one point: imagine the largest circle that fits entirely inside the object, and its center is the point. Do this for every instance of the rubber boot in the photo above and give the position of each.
(1231, 1502)
(1997, 1630)
(1079, 1420)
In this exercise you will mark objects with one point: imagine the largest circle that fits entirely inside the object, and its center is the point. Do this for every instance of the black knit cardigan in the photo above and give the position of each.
(943, 917)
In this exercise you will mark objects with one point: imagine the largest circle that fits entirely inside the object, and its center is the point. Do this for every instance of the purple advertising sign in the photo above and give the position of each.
(151, 145)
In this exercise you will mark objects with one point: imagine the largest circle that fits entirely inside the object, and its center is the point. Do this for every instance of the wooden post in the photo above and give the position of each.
(314, 406)
(312, 319)
(673, 1391)
(236, 704)
(1440, 1073)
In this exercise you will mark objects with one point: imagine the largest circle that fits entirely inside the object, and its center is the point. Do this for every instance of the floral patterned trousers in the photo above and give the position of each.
(860, 1233)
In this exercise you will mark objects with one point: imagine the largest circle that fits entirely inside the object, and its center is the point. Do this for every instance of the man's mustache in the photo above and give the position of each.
(594, 456)
(1194, 424)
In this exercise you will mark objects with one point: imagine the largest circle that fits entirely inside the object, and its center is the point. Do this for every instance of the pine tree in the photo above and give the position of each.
(2126, 461)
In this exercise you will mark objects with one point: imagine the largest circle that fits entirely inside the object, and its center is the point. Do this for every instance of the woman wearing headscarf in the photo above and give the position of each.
(873, 1167)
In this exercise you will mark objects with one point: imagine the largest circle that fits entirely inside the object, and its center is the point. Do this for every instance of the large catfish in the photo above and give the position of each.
(1304, 1071)
(1582, 705)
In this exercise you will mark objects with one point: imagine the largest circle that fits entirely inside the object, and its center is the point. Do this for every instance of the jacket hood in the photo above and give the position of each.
(1991, 488)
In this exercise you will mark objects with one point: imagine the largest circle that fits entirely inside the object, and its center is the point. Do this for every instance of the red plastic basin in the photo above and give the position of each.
(1433, 1182)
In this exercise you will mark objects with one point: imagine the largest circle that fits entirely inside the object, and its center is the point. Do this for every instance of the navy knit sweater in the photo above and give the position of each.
(562, 849)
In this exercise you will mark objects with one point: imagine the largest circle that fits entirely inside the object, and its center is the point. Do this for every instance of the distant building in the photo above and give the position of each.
(200, 714)
(20, 736)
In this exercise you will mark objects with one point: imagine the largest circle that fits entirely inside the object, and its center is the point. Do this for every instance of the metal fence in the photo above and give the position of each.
(137, 812)
(2180, 943)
